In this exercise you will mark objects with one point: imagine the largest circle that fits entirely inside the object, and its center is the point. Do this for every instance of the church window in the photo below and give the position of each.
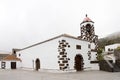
(19, 55)
(78, 46)
(89, 45)
(63, 40)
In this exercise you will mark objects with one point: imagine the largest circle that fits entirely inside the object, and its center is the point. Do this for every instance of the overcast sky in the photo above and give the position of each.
(25, 22)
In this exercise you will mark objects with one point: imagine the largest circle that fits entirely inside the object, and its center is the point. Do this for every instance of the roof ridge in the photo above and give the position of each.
(62, 35)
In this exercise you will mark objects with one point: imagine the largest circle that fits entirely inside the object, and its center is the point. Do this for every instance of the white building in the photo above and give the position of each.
(109, 51)
(10, 62)
(111, 47)
(62, 52)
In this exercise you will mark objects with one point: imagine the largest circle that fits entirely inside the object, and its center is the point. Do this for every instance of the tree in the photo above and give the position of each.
(118, 48)
(117, 53)
(99, 54)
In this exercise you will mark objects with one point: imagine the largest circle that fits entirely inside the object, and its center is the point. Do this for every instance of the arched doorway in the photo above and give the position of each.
(37, 64)
(78, 65)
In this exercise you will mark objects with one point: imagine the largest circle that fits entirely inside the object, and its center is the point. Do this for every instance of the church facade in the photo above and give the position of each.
(63, 52)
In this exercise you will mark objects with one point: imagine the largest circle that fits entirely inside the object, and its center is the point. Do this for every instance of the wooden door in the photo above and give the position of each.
(78, 65)
(37, 62)
(13, 65)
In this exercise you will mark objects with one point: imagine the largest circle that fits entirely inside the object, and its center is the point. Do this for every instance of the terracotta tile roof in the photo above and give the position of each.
(11, 57)
(86, 19)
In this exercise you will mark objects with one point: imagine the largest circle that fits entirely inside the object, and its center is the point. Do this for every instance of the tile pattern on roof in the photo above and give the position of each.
(11, 57)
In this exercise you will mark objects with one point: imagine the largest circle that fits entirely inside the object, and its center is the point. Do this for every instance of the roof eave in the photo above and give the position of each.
(85, 22)
(63, 35)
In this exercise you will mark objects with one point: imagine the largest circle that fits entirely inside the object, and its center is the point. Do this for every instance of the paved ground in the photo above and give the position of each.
(34, 75)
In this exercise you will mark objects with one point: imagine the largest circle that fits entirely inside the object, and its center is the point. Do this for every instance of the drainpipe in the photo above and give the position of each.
(33, 64)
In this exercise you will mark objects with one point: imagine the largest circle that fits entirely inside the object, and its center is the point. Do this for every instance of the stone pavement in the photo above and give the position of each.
(44, 75)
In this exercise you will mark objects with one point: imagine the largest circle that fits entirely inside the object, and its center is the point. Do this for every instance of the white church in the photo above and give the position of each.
(63, 52)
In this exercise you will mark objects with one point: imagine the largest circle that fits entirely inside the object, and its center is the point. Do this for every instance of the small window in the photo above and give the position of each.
(89, 46)
(19, 55)
(78, 46)
(108, 49)
(111, 49)
(3, 65)
(63, 40)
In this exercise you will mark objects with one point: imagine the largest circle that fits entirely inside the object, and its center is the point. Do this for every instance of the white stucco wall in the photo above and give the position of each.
(48, 54)
(92, 46)
(93, 53)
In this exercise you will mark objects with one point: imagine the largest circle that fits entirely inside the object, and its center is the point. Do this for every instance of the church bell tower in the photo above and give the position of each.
(88, 32)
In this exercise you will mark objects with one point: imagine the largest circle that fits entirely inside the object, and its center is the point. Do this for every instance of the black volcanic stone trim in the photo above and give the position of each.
(61, 64)
(89, 55)
(63, 50)
(62, 57)
(61, 53)
(65, 61)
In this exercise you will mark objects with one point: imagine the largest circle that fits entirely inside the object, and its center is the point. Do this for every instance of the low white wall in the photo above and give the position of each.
(8, 64)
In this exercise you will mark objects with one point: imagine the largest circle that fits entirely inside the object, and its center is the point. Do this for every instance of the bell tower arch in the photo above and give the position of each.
(88, 32)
